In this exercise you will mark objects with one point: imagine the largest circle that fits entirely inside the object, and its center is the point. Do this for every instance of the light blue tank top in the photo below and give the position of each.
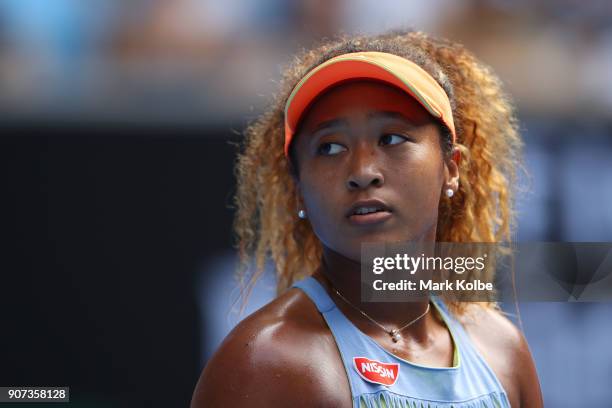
(378, 378)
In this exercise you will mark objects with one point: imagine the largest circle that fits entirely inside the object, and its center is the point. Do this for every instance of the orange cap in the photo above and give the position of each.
(383, 66)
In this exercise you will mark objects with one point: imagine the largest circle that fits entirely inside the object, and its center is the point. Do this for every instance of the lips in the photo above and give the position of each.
(370, 211)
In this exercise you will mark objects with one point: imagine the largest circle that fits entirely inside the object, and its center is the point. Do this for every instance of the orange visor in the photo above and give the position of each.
(390, 68)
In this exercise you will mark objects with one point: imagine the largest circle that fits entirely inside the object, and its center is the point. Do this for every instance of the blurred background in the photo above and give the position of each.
(117, 120)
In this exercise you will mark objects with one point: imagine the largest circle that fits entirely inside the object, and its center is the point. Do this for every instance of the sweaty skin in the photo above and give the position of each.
(358, 140)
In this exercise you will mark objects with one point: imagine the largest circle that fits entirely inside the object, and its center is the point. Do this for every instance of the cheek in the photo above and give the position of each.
(321, 199)
(419, 173)
(319, 180)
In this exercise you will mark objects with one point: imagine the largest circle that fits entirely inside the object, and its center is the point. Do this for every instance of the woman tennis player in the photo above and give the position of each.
(392, 138)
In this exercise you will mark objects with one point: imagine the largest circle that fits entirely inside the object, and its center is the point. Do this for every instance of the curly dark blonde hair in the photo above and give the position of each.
(266, 224)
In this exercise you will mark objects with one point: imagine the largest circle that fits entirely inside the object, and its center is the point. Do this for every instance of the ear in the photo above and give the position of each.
(451, 170)
(293, 171)
(296, 182)
(298, 195)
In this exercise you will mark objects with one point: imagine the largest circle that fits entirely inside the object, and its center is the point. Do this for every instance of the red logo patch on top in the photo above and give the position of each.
(375, 371)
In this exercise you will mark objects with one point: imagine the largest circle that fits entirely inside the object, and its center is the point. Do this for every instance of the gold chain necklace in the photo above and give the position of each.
(394, 333)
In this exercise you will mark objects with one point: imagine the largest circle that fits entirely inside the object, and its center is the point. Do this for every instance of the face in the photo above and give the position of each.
(370, 145)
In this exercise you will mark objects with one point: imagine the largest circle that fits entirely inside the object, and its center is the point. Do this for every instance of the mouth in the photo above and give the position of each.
(366, 212)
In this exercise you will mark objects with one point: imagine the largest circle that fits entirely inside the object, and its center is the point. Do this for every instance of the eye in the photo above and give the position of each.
(392, 139)
(329, 149)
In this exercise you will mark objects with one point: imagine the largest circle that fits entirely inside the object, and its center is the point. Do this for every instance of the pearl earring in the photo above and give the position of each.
(302, 214)
(450, 192)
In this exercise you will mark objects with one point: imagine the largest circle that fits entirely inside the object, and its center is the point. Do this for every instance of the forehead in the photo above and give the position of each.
(364, 97)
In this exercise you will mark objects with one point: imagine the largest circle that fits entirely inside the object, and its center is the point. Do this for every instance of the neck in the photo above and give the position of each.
(344, 275)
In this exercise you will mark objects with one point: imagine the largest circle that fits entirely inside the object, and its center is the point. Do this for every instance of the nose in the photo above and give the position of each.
(364, 169)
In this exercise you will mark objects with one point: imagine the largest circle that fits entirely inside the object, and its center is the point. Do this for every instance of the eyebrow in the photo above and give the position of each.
(390, 115)
(337, 122)
(340, 122)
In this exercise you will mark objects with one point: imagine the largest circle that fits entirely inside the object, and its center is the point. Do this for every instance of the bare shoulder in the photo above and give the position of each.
(491, 328)
(505, 349)
(279, 355)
